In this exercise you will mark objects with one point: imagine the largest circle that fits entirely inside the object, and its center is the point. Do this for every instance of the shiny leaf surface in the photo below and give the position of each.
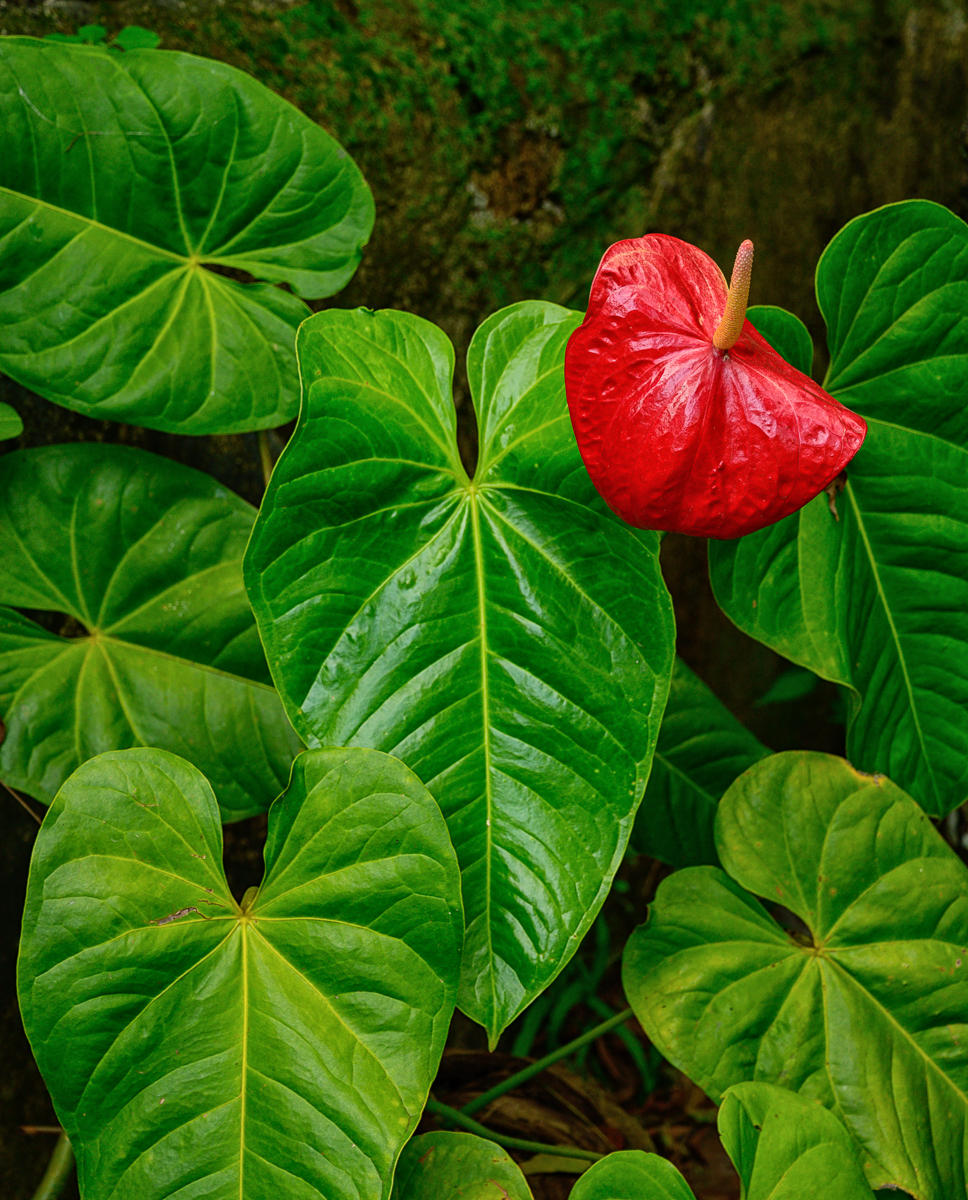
(877, 599)
(786, 1147)
(128, 181)
(867, 1011)
(141, 559)
(438, 1166)
(506, 637)
(196, 1048)
(701, 750)
(632, 1175)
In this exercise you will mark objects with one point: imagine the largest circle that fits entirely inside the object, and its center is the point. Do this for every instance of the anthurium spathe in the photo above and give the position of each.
(686, 418)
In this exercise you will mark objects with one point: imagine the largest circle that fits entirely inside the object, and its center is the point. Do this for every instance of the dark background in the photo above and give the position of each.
(507, 144)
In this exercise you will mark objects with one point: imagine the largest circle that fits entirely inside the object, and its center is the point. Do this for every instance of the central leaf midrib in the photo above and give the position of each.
(902, 661)
(486, 736)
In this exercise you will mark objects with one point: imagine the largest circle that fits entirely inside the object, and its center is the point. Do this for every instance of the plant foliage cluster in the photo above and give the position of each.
(481, 668)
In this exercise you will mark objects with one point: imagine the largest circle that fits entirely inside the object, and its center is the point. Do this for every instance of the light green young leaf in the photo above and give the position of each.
(632, 1175)
(786, 1147)
(196, 1047)
(877, 599)
(128, 180)
(868, 1012)
(506, 636)
(144, 556)
(441, 1166)
(701, 750)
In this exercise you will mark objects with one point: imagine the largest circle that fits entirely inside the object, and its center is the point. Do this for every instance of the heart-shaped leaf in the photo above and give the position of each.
(505, 636)
(11, 425)
(868, 1010)
(701, 750)
(437, 1166)
(193, 1046)
(128, 180)
(877, 598)
(143, 559)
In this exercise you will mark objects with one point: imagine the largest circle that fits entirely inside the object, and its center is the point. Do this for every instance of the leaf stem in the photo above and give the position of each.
(265, 454)
(535, 1068)
(58, 1170)
(456, 1117)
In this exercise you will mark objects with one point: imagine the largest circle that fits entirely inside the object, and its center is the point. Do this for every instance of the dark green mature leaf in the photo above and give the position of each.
(701, 750)
(878, 599)
(507, 637)
(438, 1166)
(869, 1013)
(786, 333)
(124, 178)
(11, 425)
(145, 557)
(196, 1047)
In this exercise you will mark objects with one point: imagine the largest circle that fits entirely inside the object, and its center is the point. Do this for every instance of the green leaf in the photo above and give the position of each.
(868, 1010)
(127, 181)
(136, 37)
(196, 1047)
(438, 1166)
(877, 599)
(144, 556)
(11, 425)
(786, 1147)
(786, 333)
(701, 750)
(632, 1175)
(507, 637)
(792, 684)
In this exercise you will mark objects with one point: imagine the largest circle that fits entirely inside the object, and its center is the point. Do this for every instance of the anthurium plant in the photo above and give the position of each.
(452, 685)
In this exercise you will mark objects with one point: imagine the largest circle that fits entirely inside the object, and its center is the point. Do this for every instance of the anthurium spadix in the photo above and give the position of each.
(686, 418)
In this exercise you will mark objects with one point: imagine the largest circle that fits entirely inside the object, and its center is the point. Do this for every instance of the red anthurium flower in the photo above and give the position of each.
(686, 418)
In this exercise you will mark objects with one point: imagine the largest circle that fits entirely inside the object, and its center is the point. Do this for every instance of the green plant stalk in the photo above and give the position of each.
(535, 1068)
(456, 1117)
(58, 1171)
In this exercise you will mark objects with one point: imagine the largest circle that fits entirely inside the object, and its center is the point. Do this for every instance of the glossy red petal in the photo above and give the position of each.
(677, 435)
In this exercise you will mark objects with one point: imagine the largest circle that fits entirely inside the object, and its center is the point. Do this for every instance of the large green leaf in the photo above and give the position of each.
(145, 558)
(878, 599)
(505, 636)
(196, 1047)
(869, 1011)
(124, 178)
(701, 750)
(445, 1166)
